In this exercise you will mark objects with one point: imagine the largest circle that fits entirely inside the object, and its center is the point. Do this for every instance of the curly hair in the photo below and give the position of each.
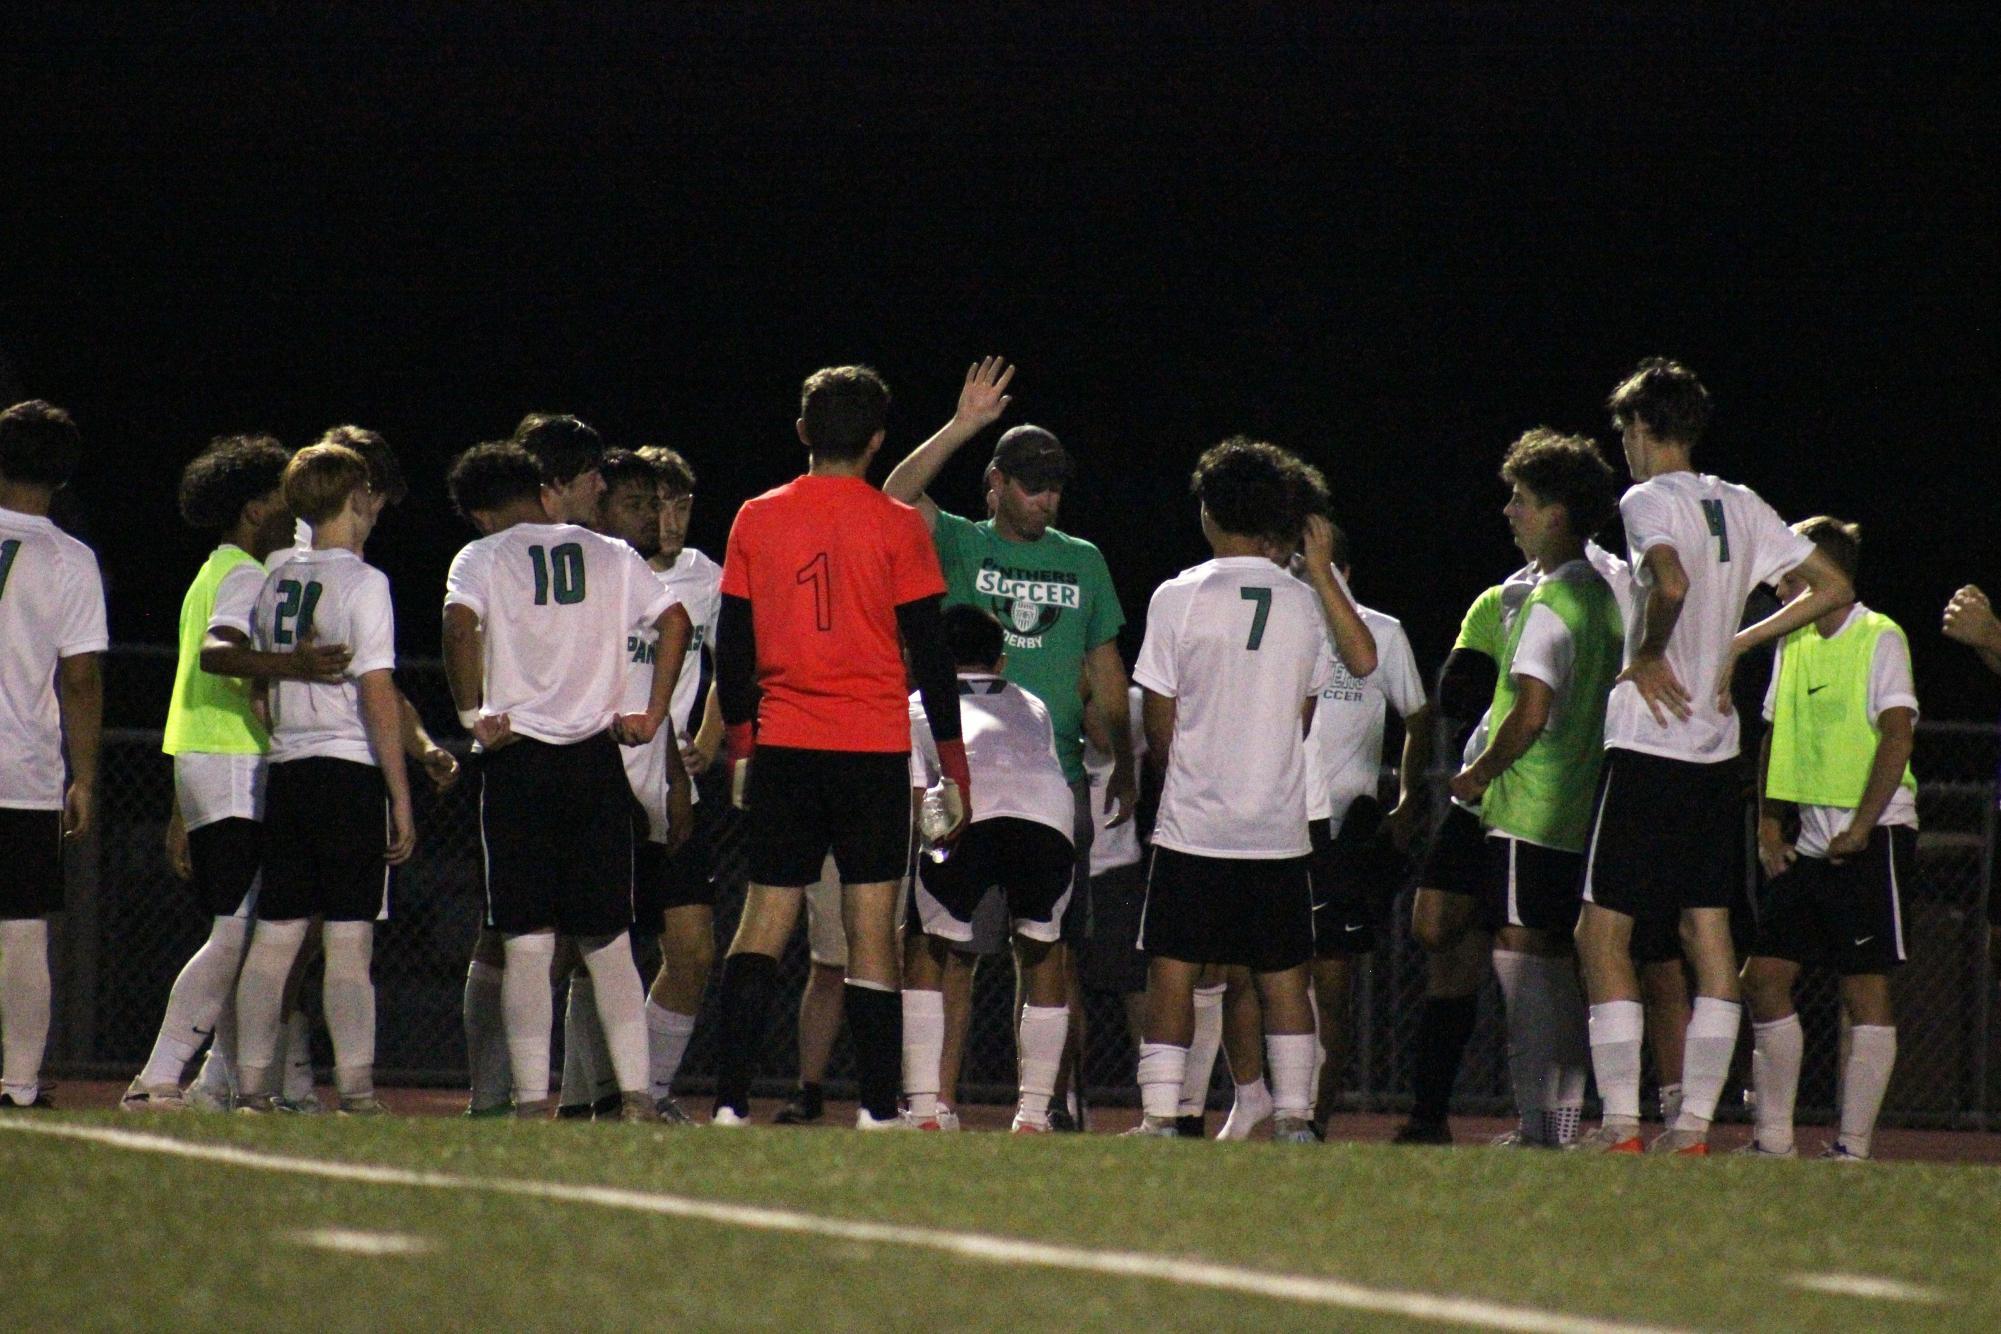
(1564, 470)
(491, 475)
(227, 475)
(1666, 398)
(1256, 489)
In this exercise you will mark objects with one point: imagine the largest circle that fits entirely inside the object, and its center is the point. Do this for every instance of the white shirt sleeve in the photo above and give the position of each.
(372, 623)
(471, 575)
(1775, 548)
(1155, 669)
(236, 598)
(1772, 685)
(82, 629)
(1649, 521)
(1545, 650)
(1890, 682)
(1396, 672)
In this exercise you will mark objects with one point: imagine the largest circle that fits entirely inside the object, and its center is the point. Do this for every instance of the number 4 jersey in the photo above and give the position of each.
(555, 604)
(1239, 645)
(337, 599)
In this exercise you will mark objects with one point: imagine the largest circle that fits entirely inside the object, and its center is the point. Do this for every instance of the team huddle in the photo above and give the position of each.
(932, 734)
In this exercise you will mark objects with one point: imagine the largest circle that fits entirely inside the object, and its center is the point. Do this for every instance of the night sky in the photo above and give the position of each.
(1391, 239)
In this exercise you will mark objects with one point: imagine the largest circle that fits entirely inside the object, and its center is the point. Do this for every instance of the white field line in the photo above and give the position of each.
(353, 1241)
(1863, 1285)
(1004, 1251)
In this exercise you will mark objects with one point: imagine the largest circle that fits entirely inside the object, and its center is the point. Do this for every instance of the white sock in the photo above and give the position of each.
(298, 1081)
(1525, 1014)
(348, 996)
(1705, 1062)
(24, 1005)
(667, 1035)
(587, 1069)
(1289, 1057)
(260, 1001)
(1202, 1051)
(1670, 1103)
(621, 1005)
(1162, 1067)
(1040, 1040)
(195, 1002)
(923, 1050)
(486, 1037)
(1778, 1049)
(1872, 1055)
(1570, 1049)
(1251, 1106)
(218, 1069)
(527, 1010)
(1616, 1028)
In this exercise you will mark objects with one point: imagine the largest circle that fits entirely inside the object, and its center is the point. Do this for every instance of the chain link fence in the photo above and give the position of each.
(131, 925)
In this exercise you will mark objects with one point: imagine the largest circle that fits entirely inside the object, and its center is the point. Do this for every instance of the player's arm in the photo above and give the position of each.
(1969, 619)
(700, 752)
(1828, 589)
(465, 675)
(439, 765)
(1156, 719)
(80, 684)
(381, 717)
(1774, 853)
(1105, 686)
(1354, 644)
(1411, 768)
(982, 400)
(675, 629)
(1896, 729)
(1649, 671)
(226, 651)
(1510, 741)
(923, 632)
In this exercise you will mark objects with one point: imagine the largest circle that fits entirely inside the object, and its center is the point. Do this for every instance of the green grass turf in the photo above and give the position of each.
(98, 1237)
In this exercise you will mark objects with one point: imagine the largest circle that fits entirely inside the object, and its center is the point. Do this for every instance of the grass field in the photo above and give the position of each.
(110, 1223)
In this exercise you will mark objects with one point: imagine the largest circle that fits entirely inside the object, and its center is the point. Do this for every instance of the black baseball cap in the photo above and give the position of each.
(1032, 456)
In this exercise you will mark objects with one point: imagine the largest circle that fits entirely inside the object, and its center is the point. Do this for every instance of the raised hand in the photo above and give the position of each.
(1317, 546)
(984, 397)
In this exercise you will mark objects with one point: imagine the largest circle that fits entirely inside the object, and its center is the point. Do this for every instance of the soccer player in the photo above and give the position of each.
(537, 616)
(1666, 817)
(1020, 845)
(1842, 709)
(1970, 619)
(822, 578)
(336, 762)
(1343, 766)
(216, 835)
(1235, 654)
(51, 707)
(1534, 778)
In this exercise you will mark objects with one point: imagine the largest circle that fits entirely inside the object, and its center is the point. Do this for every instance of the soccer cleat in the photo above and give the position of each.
(865, 1121)
(1190, 1126)
(1148, 1128)
(670, 1113)
(1681, 1143)
(498, 1111)
(948, 1120)
(728, 1117)
(1024, 1124)
(255, 1104)
(607, 1107)
(1838, 1152)
(202, 1098)
(1415, 1131)
(805, 1106)
(573, 1111)
(638, 1109)
(1062, 1122)
(1750, 1148)
(538, 1110)
(1606, 1139)
(1292, 1130)
(1514, 1139)
(309, 1105)
(361, 1104)
(40, 1103)
(157, 1098)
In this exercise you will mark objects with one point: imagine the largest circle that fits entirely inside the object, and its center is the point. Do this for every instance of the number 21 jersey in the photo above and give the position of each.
(334, 597)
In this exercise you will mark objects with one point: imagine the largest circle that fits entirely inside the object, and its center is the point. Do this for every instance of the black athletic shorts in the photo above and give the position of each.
(1111, 958)
(1353, 882)
(556, 826)
(1077, 916)
(31, 875)
(326, 823)
(803, 803)
(1531, 886)
(661, 882)
(1456, 861)
(1030, 863)
(1665, 835)
(1847, 916)
(227, 855)
(1255, 913)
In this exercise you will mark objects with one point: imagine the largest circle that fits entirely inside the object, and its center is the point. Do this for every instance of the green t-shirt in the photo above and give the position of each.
(209, 714)
(1055, 599)
(1482, 630)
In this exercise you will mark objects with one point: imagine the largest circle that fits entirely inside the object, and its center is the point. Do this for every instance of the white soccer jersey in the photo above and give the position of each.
(1112, 848)
(342, 600)
(236, 594)
(695, 582)
(555, 604)
(1618, 577)
(51, 607)
(1239, 645)
(1729, 541)
(1344, 751)
(1010, 754)
(1890, 687)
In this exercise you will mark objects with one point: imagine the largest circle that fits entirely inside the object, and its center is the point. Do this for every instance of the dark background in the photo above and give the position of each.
(1391, 237)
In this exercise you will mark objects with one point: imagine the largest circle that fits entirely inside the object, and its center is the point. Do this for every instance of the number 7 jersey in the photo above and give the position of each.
(1239, 644)
(555, 603)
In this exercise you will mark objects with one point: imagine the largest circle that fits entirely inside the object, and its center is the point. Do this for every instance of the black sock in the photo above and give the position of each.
(1443, 1027)
(875, 1026)
(748, 983)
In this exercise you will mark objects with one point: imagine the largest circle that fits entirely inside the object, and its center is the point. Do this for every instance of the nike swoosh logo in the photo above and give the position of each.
(1351, 928)
(1865, 940)
(1815, 690)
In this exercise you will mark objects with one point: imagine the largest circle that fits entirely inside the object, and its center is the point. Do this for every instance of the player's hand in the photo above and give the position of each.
(983, 397)
(680, 814)
(314, 661)
(1774, 853)
(1404, 822)
(1658, 686)
(1316, 549)
(493, 732)
(1469, 785)
(441, 767)
(1850, 842)
(698, 755)
(402, 833)
(79, 804)
(1121, 791)
(958, 806)
(1725, 675)
(179, 860)
(1969, 619)
(634, 729)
